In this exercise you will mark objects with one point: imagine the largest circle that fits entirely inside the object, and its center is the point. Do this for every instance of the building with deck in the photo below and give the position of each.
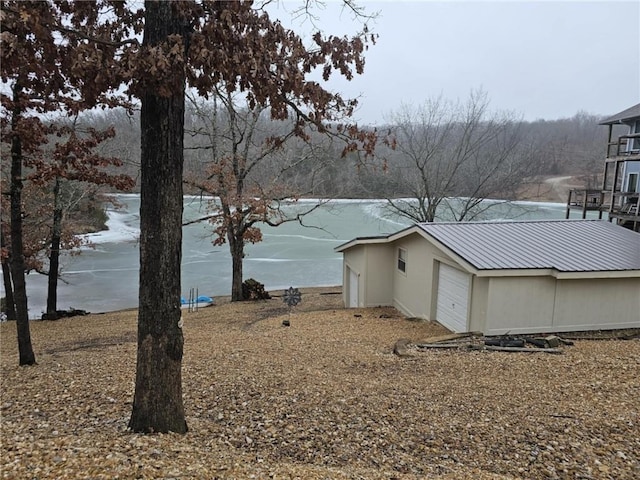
(620, 191)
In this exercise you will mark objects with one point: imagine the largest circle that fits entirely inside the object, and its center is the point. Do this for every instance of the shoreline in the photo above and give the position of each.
(104, 278)
(220, 300)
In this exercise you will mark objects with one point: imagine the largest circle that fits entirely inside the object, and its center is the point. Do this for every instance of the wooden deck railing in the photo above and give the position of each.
(619, 147)
(625, 204)
(585, 200)
(622, 205)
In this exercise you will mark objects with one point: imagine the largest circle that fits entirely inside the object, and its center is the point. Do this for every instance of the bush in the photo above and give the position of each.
(254, 290)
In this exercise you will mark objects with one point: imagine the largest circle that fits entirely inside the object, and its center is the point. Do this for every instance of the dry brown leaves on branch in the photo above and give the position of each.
(323, 398)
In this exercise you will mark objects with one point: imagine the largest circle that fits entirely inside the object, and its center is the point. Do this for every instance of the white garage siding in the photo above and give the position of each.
(353, 289)
(516, 304)
(520, 305)
(453, 298)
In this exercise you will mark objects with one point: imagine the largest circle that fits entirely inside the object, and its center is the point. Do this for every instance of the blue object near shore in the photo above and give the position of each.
(200, 301)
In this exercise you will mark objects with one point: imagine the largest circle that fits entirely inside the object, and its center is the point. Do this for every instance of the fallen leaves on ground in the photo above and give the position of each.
(322, 399)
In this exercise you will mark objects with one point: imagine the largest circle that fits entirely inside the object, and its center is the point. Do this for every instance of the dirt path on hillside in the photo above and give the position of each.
(560, 186)
(550, 189)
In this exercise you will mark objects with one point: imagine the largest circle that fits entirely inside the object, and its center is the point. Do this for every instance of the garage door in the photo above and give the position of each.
(453, 298)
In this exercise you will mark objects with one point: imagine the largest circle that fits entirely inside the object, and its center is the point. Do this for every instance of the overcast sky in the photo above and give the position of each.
(539, 59)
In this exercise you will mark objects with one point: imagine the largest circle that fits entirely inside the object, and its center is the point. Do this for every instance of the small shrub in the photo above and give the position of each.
(254, 290)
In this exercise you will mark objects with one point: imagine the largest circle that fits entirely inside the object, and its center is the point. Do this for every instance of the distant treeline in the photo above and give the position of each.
(568, 146)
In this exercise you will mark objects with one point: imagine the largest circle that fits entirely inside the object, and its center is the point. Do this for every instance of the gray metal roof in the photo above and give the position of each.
(628, 114)
(563, 245)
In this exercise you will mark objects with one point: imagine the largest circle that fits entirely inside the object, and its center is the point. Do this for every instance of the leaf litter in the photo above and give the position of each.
(325, 398)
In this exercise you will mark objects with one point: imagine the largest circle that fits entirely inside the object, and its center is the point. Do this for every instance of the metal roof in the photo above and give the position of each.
(628, 114)
(563, 245)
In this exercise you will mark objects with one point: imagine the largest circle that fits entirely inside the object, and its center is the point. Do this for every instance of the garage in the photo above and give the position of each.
(501, 278)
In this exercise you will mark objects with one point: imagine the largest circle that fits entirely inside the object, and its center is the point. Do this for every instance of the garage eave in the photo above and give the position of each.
(376, 239)
(552, 272)
(360, 241)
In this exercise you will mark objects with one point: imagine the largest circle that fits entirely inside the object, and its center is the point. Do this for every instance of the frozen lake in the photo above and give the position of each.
(105, 278)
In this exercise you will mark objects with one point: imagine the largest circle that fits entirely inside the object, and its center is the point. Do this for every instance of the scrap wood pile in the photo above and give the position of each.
(476, 341)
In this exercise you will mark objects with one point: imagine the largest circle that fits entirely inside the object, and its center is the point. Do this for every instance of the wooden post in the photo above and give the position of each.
(604, 187)
(604, 178)
(616, 171)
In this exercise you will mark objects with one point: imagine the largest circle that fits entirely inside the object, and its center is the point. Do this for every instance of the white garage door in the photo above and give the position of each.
(353, 289)
(453, 298)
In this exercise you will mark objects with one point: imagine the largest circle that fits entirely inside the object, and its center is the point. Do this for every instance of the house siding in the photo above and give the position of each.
(597, 304)
(545, 304)
(413, 290)
(518, 304)
(354, 260)
(479, 303)
(372, 264)
(379, 285)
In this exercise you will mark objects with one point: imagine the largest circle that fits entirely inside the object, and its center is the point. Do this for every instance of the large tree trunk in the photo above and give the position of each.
(157, 404)
(236, 246)
(25, 350)
(54, 256)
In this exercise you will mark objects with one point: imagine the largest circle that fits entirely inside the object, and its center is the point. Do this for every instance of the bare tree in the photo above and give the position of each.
(255, 168)
(447, 149)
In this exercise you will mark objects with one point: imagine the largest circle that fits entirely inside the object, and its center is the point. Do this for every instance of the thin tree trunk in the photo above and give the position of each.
(157, 404)
(236, 246)
(10, 307)
(54, 256)
(25, 350)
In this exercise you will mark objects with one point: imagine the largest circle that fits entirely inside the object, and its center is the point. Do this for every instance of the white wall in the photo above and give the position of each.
(544, 304)
(479, 303)
(597, 304)
(373, 263)
(519, 304)
(413, 289)
(353, 259)
(380, 260)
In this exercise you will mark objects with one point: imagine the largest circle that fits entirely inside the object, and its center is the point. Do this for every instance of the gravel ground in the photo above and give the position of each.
(322, 399)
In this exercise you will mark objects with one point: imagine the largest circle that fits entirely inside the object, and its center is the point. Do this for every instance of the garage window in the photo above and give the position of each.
(402, 260)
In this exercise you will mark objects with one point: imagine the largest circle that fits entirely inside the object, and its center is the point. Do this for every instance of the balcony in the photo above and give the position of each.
(585, 200)
(620, 151)
(624, 207)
